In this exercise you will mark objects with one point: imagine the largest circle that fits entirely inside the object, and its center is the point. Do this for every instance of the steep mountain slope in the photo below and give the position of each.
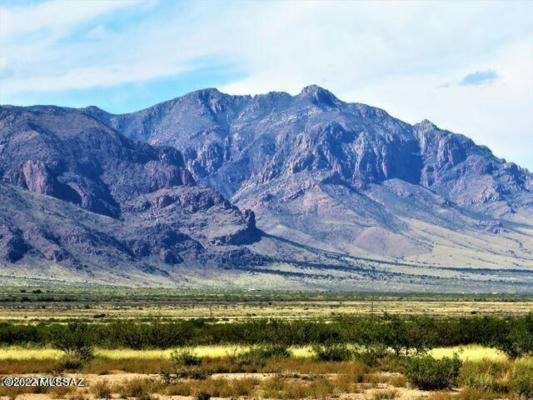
(348, 177)
(102, 202)
(345, 197)
(36, 228)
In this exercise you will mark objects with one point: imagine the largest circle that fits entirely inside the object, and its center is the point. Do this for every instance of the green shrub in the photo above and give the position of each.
(140, 388)
(428, 373)
(203, 396)
(371, 356)
(69, 363)
(518, 341)
(75, 340)
(403, 335)
(256, 356)
(184, 358)
(186, 365)
(333, 352)
(522, 380)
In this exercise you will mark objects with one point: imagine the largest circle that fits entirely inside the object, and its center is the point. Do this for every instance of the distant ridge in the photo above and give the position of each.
(327, 182)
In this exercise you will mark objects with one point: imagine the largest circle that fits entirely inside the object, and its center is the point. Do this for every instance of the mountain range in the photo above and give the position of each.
(265, 191)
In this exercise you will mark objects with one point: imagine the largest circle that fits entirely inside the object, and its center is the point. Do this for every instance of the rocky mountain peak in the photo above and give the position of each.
(315, 89)
(206, 93)
(425, 125)
(233, 143)
(319, 96)
(314, 170)
(93, 109)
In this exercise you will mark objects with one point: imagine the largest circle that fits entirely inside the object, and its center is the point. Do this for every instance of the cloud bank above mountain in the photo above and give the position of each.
(125, 55)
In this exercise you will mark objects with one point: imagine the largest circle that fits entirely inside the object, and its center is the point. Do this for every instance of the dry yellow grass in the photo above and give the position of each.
(214, 351)
(200, 351)
(470, 353)
(23, 353)
(262, 309)
(465, 353)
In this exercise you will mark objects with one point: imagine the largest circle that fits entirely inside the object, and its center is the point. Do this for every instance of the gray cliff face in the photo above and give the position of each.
(465, 173)
(71, 156)
(233, 142)
(296, 159)
(332, 185)
(158, 216)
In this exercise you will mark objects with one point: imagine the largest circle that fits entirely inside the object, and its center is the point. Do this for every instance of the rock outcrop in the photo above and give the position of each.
(151, 198)
(342, 194)
(233, 142)
(334, 174)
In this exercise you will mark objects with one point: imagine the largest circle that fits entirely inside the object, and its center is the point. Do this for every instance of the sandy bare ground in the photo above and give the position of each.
(367, 391)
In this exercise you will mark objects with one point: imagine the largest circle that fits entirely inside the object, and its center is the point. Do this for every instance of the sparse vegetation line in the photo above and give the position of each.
(377, 355)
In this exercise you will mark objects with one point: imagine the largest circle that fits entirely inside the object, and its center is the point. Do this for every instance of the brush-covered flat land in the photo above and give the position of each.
(180, 344)
(69, 303)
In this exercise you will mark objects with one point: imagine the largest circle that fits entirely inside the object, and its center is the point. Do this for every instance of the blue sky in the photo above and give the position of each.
(467, 66)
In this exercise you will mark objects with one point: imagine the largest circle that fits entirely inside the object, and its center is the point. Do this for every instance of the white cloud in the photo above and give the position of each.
(398, 61)
(497, 115)
(98, 32)
(4, 68)
(395, 55)
(54, 16)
